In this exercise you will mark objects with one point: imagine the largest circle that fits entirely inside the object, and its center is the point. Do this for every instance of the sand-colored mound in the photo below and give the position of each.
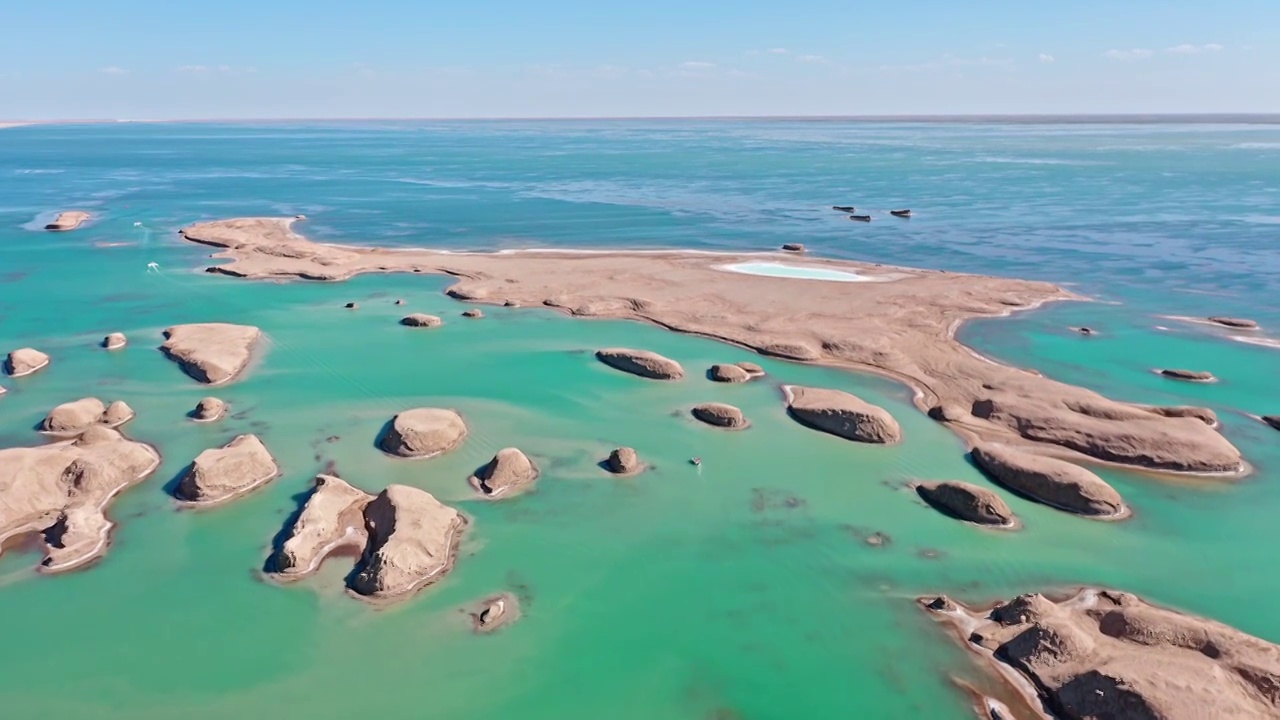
(68, 220)
(842, 415)
(209, 409)
(61, 491)
(752, 369)
(25, 361)
(423, 433)
(1106, 654)
(1188, 375)
(115, 341)
(728, 374)
(494, 612)
(968, 502)
(117, 414)
(332, 517)
(220, 474)
(473, 313)
(1232, 322)
(509, 472)
(1054, 482)
(212, 353)
(74, 416)
(421, 320)
(901, 325)
(624, 461)
(413, 540)
(641, 362)
(720, 415)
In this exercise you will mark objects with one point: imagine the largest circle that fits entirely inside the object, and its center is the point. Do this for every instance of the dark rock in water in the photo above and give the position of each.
(860, 218)
(942, 602)
(720, 415)
(1084, 330)
(900, 213)
(511, 303)
(472, 313)
(844, 208)
(114, 341)
(624, 461)
(967, 502)
(400, 301)
(1238, 323)
(793, 247)
(351, 306)
(1272, 420)
(421, 320)
(494, 612)
(1189, 375)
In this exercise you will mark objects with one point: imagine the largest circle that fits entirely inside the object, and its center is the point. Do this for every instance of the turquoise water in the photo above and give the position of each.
(743, 589)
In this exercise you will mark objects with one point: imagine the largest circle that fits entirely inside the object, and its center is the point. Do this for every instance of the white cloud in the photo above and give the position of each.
(203, 70)
(1135, 54)
(697, 65)
(1188, 49)
(1046, 58)
(191, 69)
(777, 51)
(811, 59)
(113, 70)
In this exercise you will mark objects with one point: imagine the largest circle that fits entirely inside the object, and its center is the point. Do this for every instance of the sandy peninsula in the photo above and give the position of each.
(901, 323)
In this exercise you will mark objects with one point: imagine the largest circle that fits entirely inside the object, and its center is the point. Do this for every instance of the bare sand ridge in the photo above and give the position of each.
(62, 490)
(1106, 654)
(212, 353)
(68, 220)
(902, 327)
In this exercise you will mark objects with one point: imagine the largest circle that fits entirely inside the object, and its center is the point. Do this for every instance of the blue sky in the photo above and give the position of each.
(146, 59)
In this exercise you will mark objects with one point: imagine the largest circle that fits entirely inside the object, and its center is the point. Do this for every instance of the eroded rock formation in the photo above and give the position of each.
(1051, 481)
(842, 414)
(212, 353)
(220, 474)
(641, 362)
(423, 433)
(967, 502)
(25, 361)
(509, 472)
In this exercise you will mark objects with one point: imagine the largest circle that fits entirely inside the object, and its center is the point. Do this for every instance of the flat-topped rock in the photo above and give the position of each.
(1107, 654)
(421, 320)
(473, 313)
(1233, 322)
(332, 517)
(209, 409)
(793, 247)
(720, 415)
(494, 612)
(68, 220)
(114, 341)
(967, 502)
(842, 414)
(60, 492)
(117, 414)
(74, 416)
(212, 353)
(423, 433)
(1050, 481)
(25, 361)
(509, 472)
(624, 461)
(1188, 375)
(641, 362)
(728, 373)
(220, 474)
(413, 540)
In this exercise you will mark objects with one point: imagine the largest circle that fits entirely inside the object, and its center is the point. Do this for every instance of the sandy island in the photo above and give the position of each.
(903, 327)
(68, 220)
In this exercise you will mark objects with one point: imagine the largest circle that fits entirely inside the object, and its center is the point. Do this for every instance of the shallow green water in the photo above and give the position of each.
(743, 589)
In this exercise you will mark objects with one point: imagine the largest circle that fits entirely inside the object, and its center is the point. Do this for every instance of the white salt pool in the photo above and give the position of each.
(798, 272)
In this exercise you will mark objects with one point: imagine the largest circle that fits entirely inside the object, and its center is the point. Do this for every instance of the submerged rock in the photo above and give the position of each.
(624, 461)
(413, 540)
(220, 474)
(720, 415)
(212, 353)
(209, 409)
(509, 472)
(114, 341)
(423, 433)
(842, 415)
(1104, 654)
(641, 362)
(25, 361)
(1054, 482)
(473, 313)
(494, 612)
(332, 517)
(1237, 323)
(967, 502)
(728, 374)
(421, 320)
(74, 416)
(1189, 375)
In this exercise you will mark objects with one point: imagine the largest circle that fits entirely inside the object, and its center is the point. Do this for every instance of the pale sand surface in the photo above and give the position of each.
(902, 327)
(68, 220)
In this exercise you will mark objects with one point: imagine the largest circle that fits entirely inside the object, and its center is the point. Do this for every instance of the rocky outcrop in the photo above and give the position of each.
(641, 362)
(1237, 323)
(728, 374)
(1272, 420)
(948, 412)
(332, 517)
(61, 491)
(509, 472)
(73, 417)
(423, 433)
(494, 612)
(624, 461)
(473, 313)
(352, 306)
(421, 320)
(1106, 654)
(793, 247)
(967, 502)
(212, 353)
(720, 415)
(25, 361)
(208, 410)
(117, 414)
(1050, 481)
(1189, 375)
(114, 341)
(68, 220)
(413, 540)
(842, 415)
(220, 474)
(752, 369)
